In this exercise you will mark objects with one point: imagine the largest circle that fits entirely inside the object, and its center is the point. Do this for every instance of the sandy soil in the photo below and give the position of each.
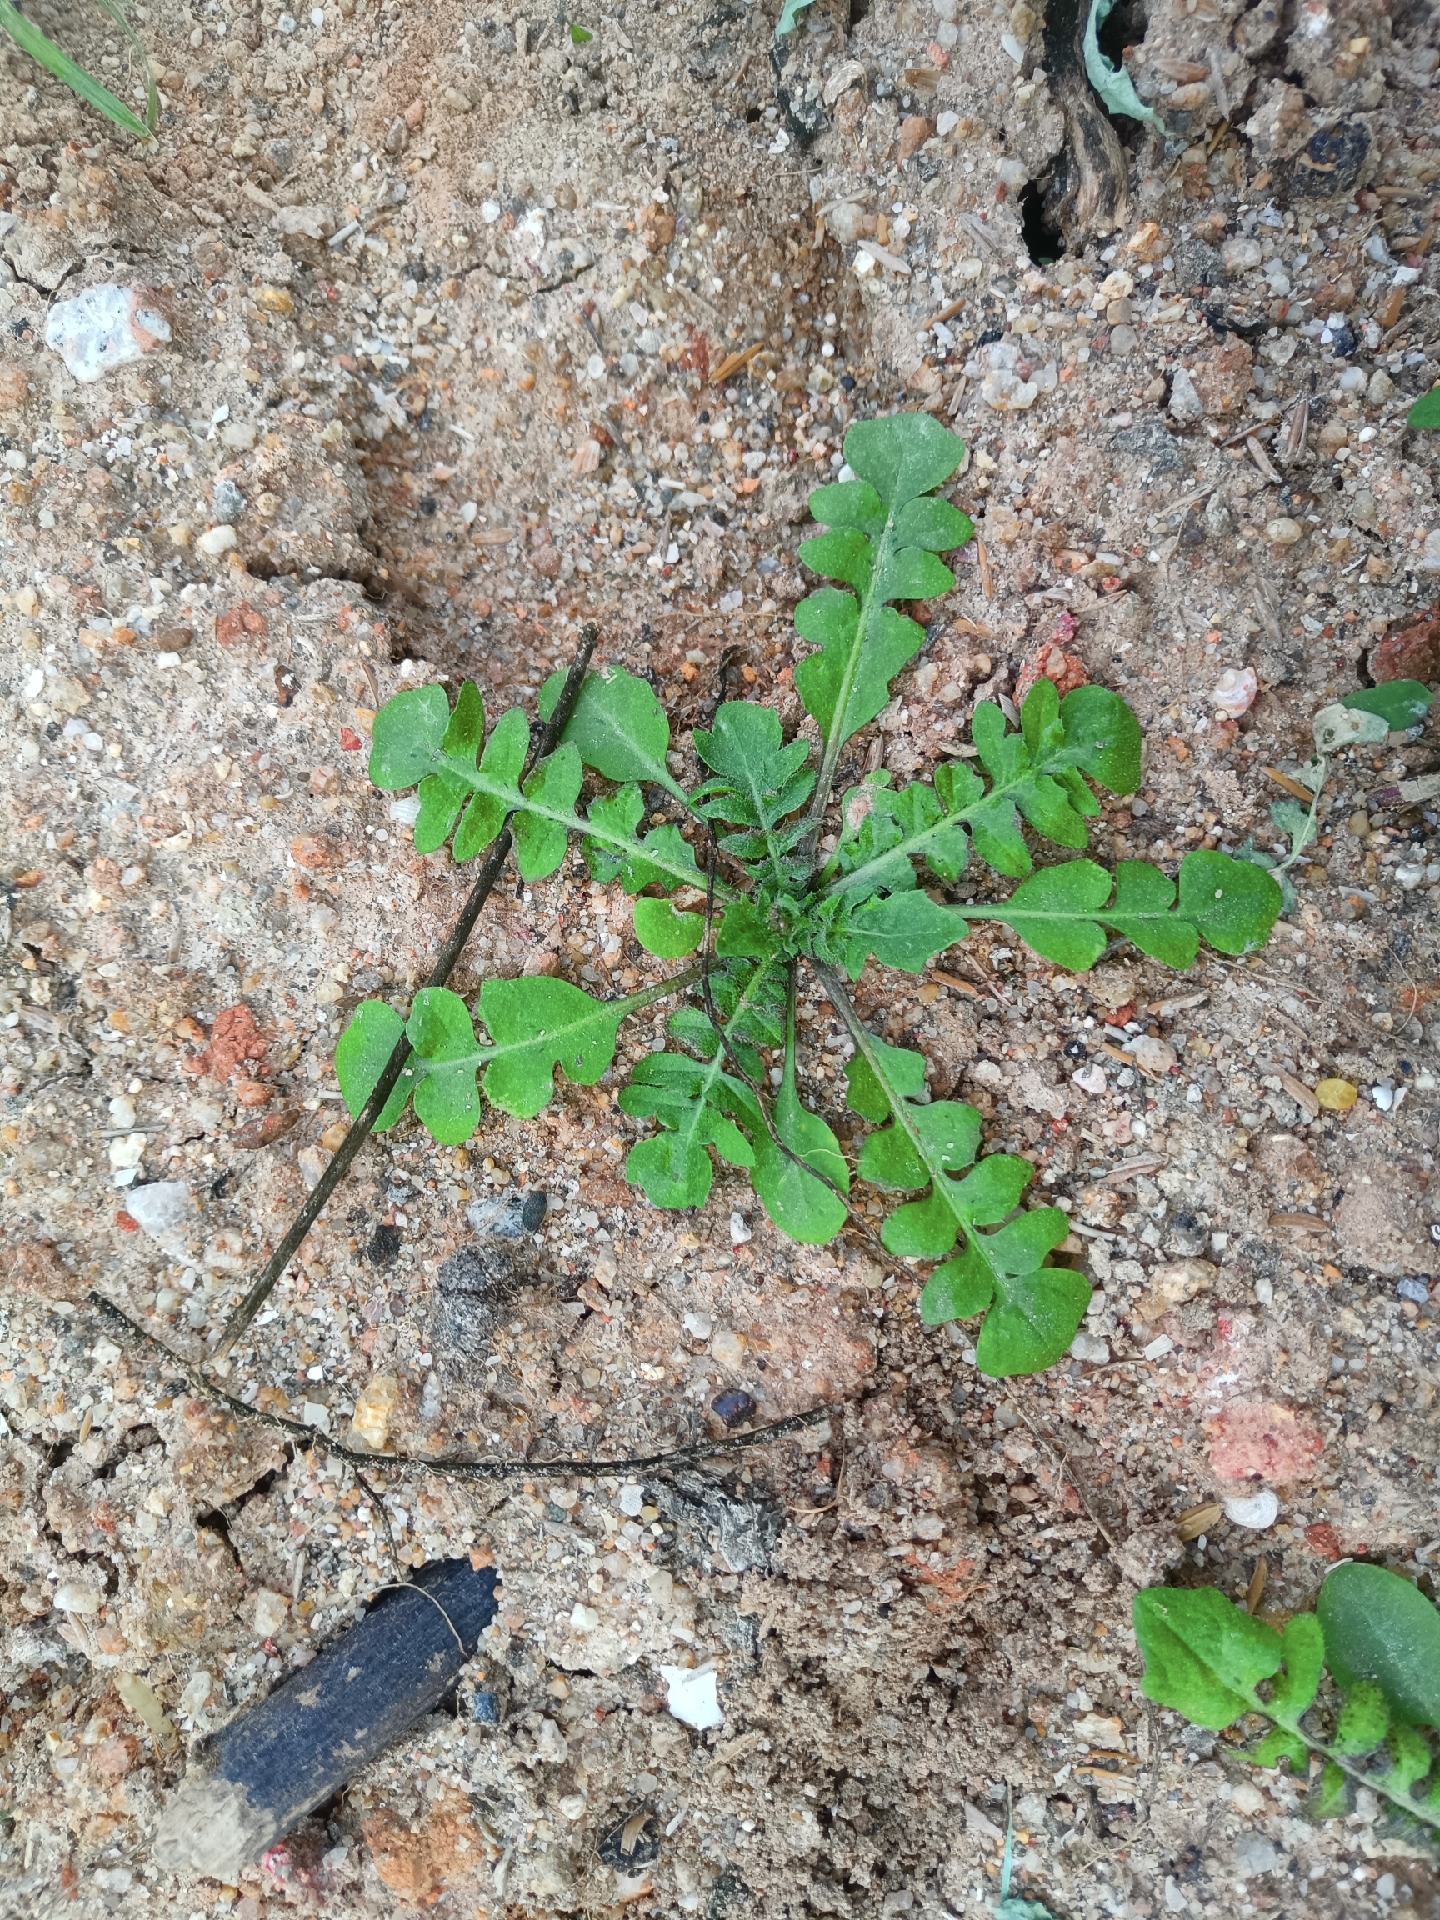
(478, 332)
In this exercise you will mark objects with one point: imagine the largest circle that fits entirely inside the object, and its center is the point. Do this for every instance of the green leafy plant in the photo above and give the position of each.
(1378, 1636)
(789, 17)
(777, 896)
(29, 38)
(1424, 412)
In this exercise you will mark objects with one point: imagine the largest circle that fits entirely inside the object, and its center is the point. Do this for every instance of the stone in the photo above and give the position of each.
(1411, 654)
(269, 1613)
(1380, 1222)
(104, 328)
(217, 540)
(1185, 401)
(691, 1696)
(1263, 1439)
(1284, 532)
(1240, 255)
(158, 1208)
(1254, 1855)
(847, 222)
(914, 132)
(374, 1410)
(1223, 377)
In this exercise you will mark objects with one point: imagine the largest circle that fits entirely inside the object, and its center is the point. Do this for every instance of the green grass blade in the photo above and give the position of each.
(28, 37)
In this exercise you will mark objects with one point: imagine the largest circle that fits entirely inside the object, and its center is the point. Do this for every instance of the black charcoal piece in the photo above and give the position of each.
(259, 1776)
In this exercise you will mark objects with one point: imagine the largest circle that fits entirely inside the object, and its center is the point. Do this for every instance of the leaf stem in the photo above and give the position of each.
(449, 954)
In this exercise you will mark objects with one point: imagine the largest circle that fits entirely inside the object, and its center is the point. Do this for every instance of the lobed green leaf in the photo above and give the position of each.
(361, 1054)
(538, 1024)
(1203, 1655)
(1062, 911)
(662, 929)
(1279, 1745)
(1364, 1719)
(1303, 1646)
(447, 1100)
(618, 727)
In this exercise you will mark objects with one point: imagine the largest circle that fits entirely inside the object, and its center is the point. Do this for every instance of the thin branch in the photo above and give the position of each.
(449, 1465)
(364, 1121)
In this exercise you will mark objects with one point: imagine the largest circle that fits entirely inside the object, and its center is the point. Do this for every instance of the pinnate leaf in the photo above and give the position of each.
(1303, 1646)
(407, 738)
(1203, 1655)
(360, 1056)
(1062, 911)
(538, 1024)
(1410, 1758)
(618, 727)
(1231, 903)
(447, 1100)
(903, 455)
(801, 1206)
(1364, 1719)
(662, 856)
(1279, 1745)
(904, 930)
(1379, 1627)
(1399, 703)
(540, 843)
(661, 929)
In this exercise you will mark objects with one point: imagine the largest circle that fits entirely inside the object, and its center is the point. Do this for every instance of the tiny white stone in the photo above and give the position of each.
(1254, 1510)
(692, 1697)
(1159, 1347)
(217, 540)
(739, 1230)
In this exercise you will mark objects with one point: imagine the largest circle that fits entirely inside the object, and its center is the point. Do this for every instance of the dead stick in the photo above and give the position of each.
(130, 1331)
(395, 1066)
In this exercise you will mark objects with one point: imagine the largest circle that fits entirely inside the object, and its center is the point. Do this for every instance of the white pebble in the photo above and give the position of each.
(218, 540)
(1254, 1510)
(692, 1697)
(103, 328)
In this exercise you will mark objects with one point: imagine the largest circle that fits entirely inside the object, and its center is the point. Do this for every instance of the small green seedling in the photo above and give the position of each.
(29, 38)
(1380, 1639)
(579, 35)
(1425, 412)
(884, 886)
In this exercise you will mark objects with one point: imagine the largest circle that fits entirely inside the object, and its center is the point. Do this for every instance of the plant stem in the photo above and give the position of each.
(132, 1333)
(449, 954)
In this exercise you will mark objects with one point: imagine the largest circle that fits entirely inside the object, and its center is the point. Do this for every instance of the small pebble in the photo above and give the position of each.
(1284, 532)
(1412, 1288)
(733, 1407)
(1254, 1510)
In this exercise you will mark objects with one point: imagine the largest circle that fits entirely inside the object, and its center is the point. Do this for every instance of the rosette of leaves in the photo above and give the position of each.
(735, 864)
(1371, 1724)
